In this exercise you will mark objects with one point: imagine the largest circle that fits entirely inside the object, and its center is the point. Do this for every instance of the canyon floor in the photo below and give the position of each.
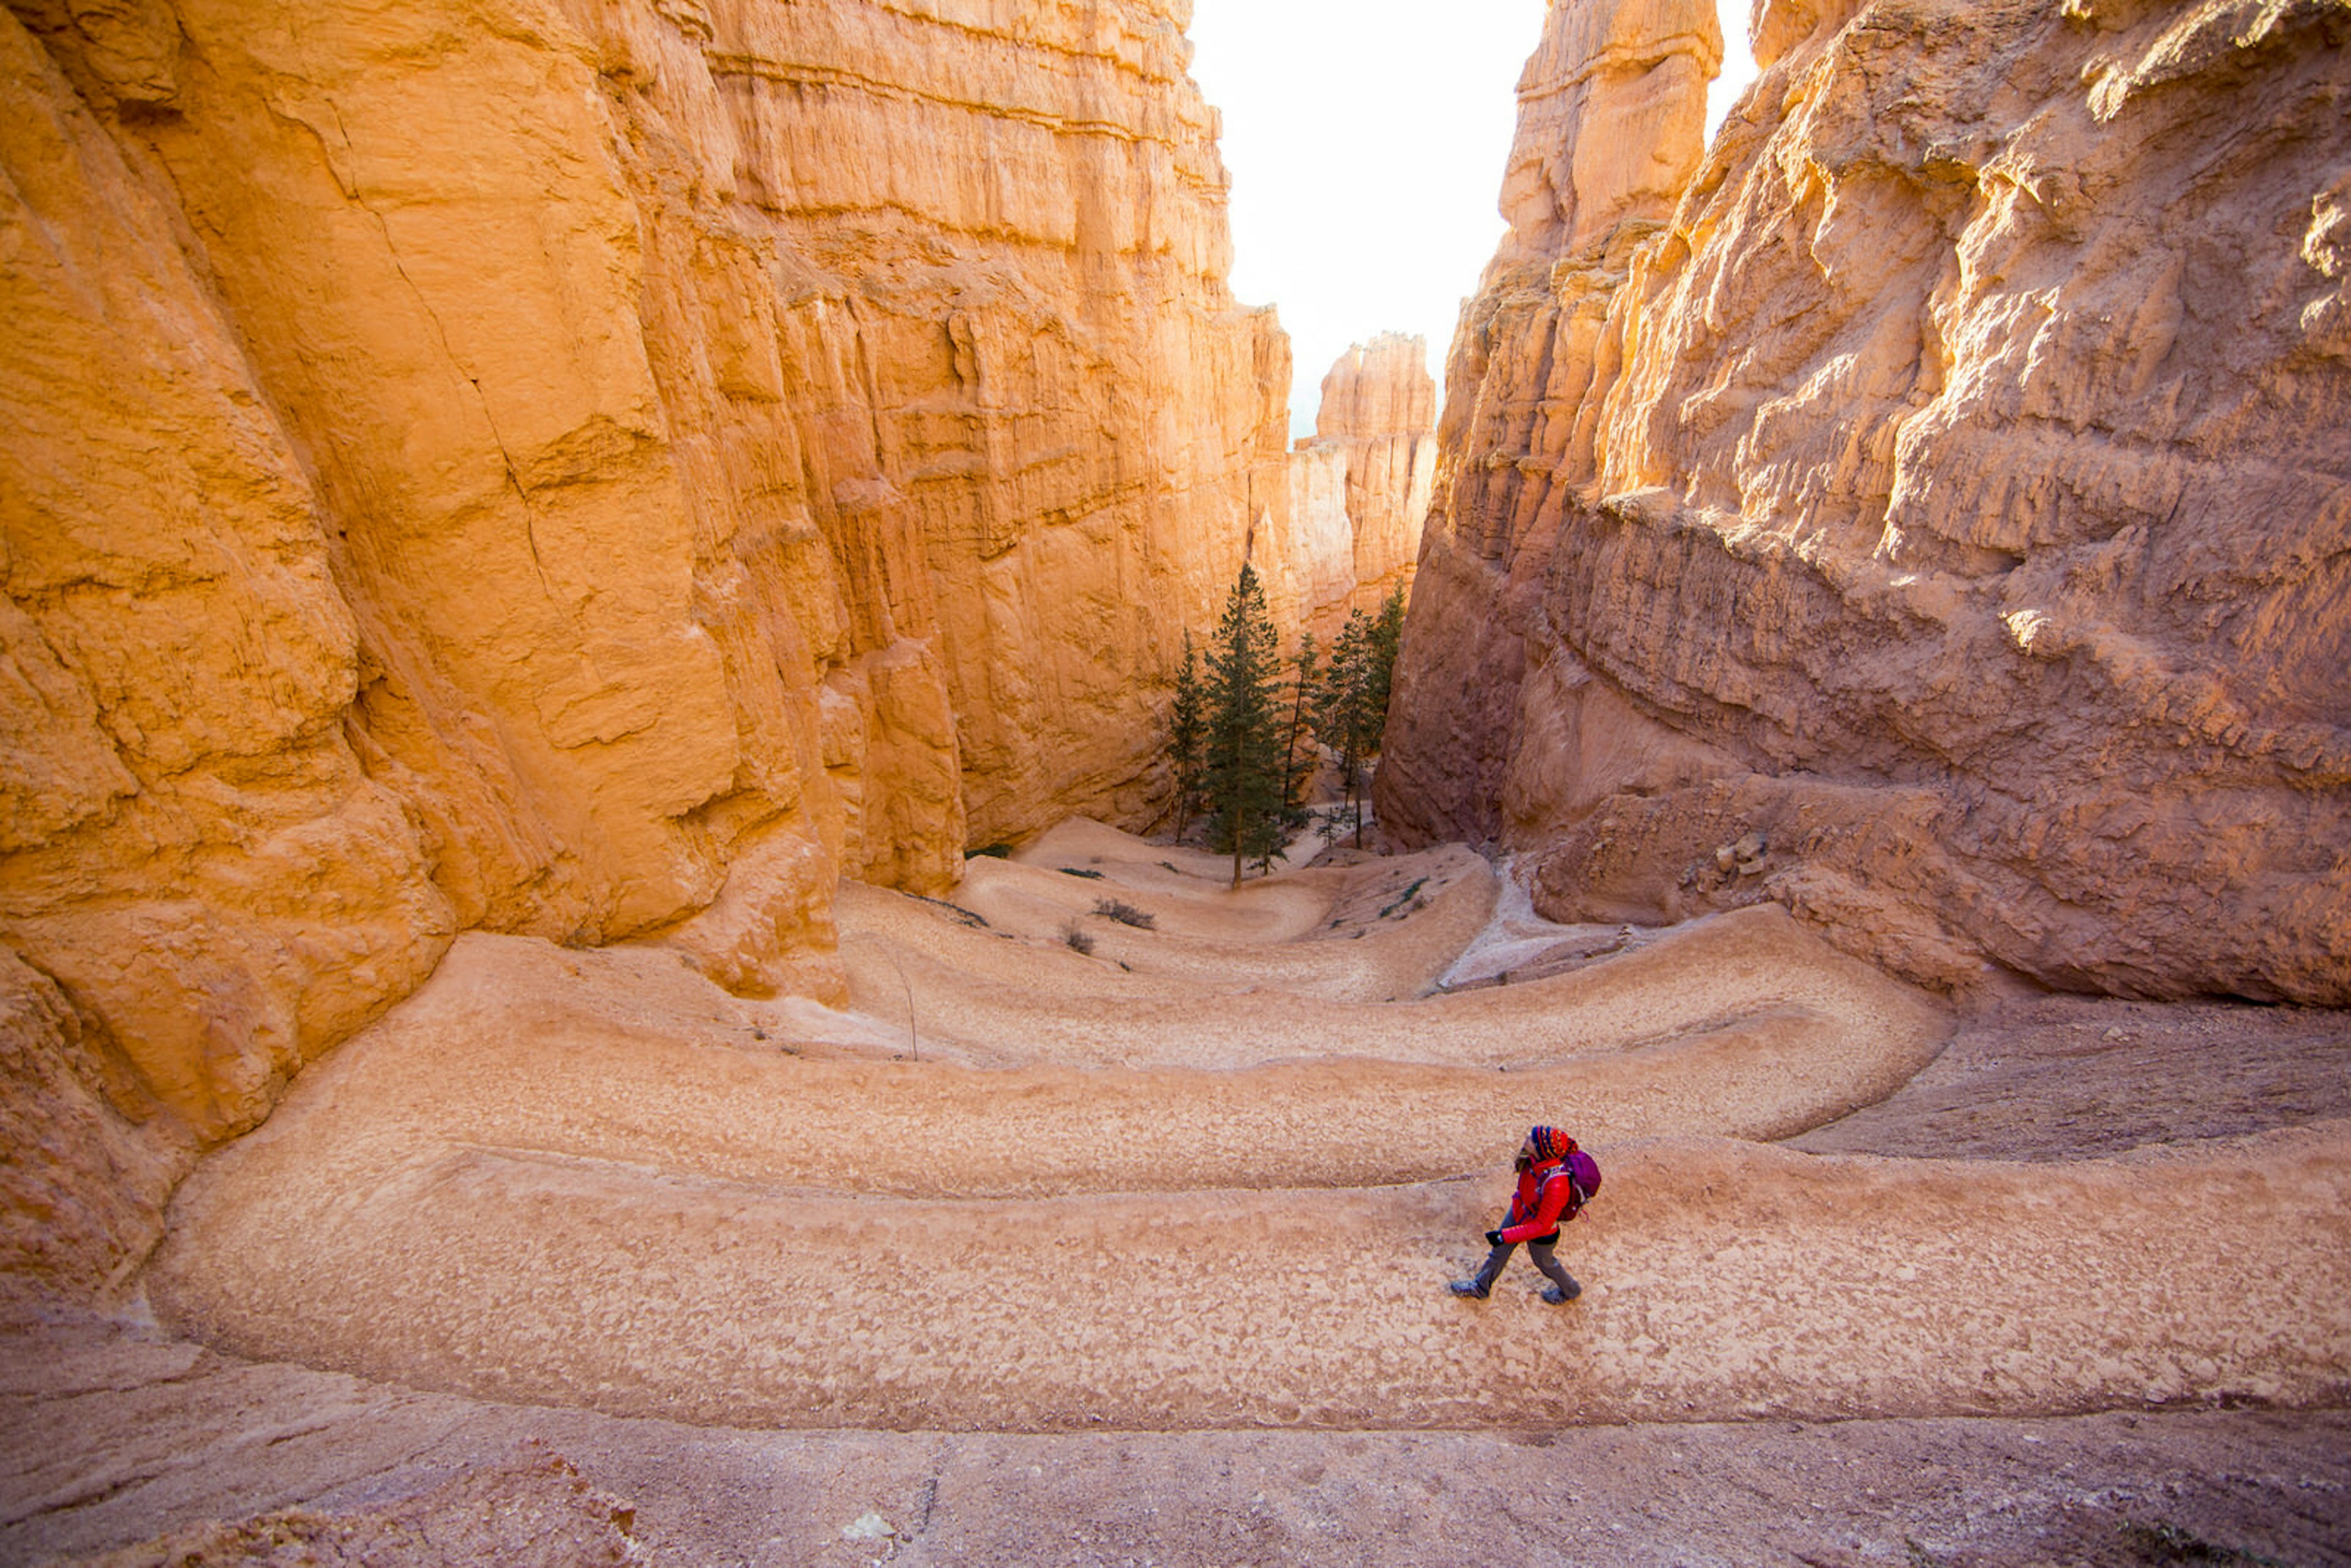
(1112, 1225)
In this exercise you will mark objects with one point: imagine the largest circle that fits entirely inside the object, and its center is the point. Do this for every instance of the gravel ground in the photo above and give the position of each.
(122, 1446)
(2071, 1078)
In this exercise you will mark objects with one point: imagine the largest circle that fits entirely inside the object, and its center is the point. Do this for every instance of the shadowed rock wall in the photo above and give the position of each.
(1930, 509)
(599, 469)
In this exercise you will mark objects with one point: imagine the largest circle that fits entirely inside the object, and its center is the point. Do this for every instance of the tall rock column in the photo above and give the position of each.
(1021, 208)
(1380, 405)
(1941, 524)
(1360, 488)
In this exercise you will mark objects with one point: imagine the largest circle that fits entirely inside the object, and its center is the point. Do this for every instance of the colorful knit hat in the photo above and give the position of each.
(1549, 1142)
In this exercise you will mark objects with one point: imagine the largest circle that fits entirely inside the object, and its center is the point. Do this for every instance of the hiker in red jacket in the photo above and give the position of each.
(1547, 1197)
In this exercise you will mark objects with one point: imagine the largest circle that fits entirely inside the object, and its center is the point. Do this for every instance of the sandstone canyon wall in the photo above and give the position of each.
(1931, 507)
(601, 469)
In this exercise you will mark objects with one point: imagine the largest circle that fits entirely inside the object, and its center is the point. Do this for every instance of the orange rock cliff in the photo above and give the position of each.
(593, 470)
(1931, 508)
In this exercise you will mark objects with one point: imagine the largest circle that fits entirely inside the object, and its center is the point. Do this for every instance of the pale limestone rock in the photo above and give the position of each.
(1612, 114)
(1377, 389)
(1951, 492)
(1321, 548)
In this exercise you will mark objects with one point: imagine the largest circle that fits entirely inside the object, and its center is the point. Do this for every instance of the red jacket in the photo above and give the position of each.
(1544, 1192)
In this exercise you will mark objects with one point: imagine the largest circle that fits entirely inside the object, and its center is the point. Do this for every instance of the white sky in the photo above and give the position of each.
(1366, 140)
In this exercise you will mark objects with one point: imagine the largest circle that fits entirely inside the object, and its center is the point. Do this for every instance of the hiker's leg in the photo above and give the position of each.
(1540, 1255)
(1492, 1269)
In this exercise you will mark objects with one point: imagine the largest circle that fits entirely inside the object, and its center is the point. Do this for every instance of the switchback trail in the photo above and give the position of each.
(1209, 1176)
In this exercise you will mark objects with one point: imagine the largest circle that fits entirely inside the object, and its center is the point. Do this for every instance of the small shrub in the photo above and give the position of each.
(1078, 940)
(1125, 913)
(1081, 870)
(2165, 1543)
(993, 852)
(1407, 898)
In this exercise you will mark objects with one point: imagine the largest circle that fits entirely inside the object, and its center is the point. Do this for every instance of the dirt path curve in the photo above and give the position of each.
(1325, 934)
(1138, 1197)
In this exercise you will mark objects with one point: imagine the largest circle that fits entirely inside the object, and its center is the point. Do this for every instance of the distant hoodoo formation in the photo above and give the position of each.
(1360, 488)
(1930, 509)
(586, 470)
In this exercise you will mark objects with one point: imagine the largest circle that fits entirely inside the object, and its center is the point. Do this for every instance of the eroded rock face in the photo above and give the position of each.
(1359, 489)
(1524, 360)
(596, 471)
(1377, 389)
(1952, 496)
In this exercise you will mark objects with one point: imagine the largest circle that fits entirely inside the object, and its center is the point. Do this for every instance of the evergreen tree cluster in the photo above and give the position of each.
(1351, 713)
(1245, 730)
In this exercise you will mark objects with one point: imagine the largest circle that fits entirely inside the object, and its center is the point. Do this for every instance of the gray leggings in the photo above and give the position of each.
(1539, 1253)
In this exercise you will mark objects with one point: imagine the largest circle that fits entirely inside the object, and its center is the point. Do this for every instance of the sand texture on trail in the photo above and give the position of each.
(1326, 934)
(1173, 1195)
(1738, 1282)
(1013, 991)
(111, 1435)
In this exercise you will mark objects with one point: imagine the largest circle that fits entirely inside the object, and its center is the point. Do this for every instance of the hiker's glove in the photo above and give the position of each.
(1493, 1239)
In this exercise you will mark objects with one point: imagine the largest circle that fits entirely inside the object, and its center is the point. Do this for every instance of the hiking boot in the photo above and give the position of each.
(1559, 1298)
(1470, 1289)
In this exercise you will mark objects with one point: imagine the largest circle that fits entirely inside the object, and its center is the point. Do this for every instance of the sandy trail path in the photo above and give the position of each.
(594, 1180)
(564, 1085)
(1040, 1005)
(1323, 935)
(512, 1277)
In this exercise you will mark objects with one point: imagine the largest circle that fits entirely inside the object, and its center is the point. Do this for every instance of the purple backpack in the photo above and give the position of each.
(1583, 1179)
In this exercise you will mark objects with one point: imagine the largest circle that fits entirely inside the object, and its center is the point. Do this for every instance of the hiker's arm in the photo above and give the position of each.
(1549, 1205)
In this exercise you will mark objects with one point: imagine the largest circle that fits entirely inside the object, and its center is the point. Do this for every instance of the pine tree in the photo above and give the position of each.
(1351, 712)
(1387, 637)
(1187, 732)
(1338, 711)
(1296, 770)
(1242, 773)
